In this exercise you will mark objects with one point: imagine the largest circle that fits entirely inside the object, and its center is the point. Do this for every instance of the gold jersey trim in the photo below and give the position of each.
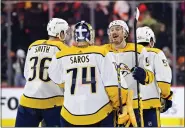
(148, 103)
(130, 47)
(41, 103)
(80, 51)
(58, 57)
(165, 88)
(57, 44)
(89, 118)
(156, 50)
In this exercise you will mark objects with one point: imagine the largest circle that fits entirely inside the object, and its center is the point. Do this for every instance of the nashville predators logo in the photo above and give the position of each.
(122, 68)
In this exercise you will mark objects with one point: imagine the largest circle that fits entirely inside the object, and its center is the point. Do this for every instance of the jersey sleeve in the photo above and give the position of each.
(55, 70)
(163, 73)
(110, 80)
(108, 71)
(145, 64)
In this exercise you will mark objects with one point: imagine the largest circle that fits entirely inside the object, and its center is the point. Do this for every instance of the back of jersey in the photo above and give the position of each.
(40, 91)
(86, 72)
(151, 93)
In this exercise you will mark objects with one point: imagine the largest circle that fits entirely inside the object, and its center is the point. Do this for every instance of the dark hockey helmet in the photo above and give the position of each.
(83, 32)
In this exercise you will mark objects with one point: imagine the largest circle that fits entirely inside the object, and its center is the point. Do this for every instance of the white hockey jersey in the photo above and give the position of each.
(91, 84)
(162, 81)
(126, 59)
(40, 91)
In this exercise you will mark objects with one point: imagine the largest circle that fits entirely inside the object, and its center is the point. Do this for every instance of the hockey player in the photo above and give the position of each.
(42, 99)
(162, 82)
(91, 84)
(124, 54)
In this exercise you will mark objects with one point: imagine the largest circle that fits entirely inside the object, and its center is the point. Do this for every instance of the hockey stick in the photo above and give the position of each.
(118, 69)
(119, 87)
(136, 60)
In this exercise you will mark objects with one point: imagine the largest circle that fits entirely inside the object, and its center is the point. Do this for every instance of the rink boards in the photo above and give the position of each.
(10, 99)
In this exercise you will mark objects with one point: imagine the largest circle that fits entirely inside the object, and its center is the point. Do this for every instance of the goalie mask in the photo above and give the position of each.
(83, 32)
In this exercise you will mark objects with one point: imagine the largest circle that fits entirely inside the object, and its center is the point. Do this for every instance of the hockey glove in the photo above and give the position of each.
(139, 74)
(166, 103)
(130, 108)
(123, 118)
(128, 116)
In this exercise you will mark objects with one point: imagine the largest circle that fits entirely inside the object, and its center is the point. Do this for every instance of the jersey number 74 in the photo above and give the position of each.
(92, 82)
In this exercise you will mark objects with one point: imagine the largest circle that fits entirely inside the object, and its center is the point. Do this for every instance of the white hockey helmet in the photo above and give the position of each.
(120, 23)
(56, 26)
(145, 35)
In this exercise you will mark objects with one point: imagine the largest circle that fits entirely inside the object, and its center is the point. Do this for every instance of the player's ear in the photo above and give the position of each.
(62, 35)
(110, 39)
(152, 44)
(108, 32)
(125, 34)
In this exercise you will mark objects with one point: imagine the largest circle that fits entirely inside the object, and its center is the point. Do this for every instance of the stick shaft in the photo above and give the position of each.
(136, 62)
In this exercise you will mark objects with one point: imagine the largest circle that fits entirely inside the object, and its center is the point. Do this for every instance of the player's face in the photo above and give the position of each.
(116, 34)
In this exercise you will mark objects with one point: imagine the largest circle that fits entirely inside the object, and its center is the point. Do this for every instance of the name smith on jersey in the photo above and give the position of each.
(42, 49)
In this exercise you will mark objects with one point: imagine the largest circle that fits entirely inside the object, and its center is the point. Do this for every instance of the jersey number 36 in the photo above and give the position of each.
(40, 68)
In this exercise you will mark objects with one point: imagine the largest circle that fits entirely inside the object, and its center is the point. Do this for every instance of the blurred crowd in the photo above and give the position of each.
(29, 21)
